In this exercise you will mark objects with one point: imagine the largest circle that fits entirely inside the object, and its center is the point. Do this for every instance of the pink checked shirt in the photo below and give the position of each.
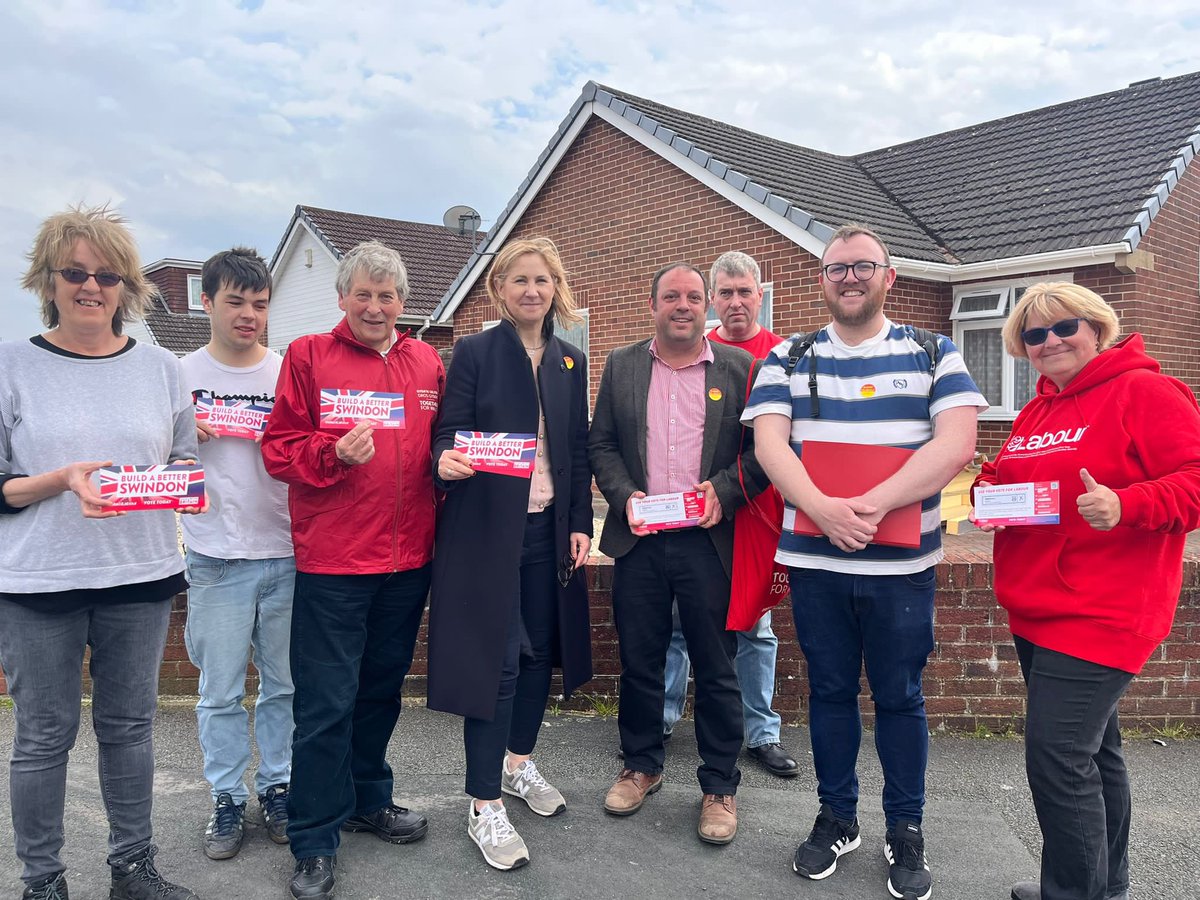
(675, 422)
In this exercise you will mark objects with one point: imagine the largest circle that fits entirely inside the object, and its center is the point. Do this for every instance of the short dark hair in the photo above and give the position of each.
(240, 268)
(854, 229)
(671, 267)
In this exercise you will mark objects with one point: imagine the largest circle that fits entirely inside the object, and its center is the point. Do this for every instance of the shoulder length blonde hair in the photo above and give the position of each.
(562, 307)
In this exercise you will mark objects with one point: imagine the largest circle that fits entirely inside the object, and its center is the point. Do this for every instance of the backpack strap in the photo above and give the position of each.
(801, 344)
(932, 347)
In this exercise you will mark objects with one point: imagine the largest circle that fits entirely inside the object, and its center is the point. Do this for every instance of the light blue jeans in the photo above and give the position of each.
(756, 675)
(235, 605)
(42, 656)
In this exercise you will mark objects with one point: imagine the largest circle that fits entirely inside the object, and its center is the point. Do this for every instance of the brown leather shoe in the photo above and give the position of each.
(627, 795)
(718, 818)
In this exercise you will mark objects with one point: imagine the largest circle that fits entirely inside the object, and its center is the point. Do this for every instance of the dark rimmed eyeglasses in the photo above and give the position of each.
(864, 270)
(566, 568)
(80, 276)
(1064, 329)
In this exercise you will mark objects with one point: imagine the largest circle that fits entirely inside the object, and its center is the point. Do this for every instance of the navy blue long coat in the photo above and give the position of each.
(490, 387)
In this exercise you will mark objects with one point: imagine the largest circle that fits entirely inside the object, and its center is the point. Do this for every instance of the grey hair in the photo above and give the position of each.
(735, 263)
(377, 262)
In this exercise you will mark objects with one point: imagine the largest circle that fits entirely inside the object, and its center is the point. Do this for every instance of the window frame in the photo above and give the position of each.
(198, 305)
(980, 320)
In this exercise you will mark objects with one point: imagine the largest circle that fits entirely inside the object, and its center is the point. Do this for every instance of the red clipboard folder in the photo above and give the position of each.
(849, 470)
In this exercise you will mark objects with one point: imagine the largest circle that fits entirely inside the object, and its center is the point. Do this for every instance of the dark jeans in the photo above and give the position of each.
(887, 621)
(352, 645)
(525, 677)
(1076, 772)
(42, 656)
(680, 566)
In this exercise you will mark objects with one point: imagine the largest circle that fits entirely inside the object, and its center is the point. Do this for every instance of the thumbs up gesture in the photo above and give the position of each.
(1100, 507)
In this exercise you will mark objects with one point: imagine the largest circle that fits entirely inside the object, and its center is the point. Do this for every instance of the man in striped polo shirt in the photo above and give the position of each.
(854, 600)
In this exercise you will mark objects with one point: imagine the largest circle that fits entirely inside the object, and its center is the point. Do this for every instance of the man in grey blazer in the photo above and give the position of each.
(667, 420)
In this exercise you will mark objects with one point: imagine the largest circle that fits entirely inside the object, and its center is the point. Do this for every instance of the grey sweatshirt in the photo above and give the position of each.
(132, 409)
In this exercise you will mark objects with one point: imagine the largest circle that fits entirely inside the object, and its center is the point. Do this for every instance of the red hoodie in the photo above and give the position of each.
(366, 519)
(1104, 596)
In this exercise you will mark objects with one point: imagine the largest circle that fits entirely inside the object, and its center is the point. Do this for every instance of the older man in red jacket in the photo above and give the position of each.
(350, 434)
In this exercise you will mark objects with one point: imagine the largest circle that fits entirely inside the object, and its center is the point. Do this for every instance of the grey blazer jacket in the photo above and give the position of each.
(617, 441)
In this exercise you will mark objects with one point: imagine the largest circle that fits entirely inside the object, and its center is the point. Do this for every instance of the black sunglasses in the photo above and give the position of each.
(79, 276)
(1064, 329)
(566, 568)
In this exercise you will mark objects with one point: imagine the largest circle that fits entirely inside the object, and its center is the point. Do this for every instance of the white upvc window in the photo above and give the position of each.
(194, 289)
(978, 314)
(765, 312)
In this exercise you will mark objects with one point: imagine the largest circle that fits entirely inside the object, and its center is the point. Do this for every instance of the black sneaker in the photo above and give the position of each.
(392, 823)
(274, 810)
(313, 879)
(817, 857)
(138, 879)
(908, 872)
(52, 887)
(223, 837)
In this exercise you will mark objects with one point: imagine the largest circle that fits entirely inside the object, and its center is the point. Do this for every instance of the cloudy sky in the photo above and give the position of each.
(206, 122)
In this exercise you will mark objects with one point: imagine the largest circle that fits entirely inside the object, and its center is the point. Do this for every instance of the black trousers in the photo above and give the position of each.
(525, 677)
(1076, 772)
(677, 566)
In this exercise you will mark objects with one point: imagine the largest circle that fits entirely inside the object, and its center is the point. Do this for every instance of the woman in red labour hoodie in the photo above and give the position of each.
(1090, 598)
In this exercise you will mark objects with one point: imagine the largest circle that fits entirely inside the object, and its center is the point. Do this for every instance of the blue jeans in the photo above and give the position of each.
(756, 651)
(352, 645)
(42, 656)
(235, 605)
(887, 621)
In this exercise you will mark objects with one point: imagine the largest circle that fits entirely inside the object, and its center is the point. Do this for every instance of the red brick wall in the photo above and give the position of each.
(172, 282)
(972, 679)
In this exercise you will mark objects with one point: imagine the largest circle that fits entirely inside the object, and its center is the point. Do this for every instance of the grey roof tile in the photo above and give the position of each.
(181, 334)
(432, 254)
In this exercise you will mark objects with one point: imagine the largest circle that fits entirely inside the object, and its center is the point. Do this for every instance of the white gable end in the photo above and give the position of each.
(303, 298)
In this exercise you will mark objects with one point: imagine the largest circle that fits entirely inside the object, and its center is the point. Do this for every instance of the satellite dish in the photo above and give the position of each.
(462, 220)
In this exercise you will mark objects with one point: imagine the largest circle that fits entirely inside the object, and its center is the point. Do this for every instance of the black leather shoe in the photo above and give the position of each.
(1027, 890)
(775, 760)
(392, 823)
(314, 878)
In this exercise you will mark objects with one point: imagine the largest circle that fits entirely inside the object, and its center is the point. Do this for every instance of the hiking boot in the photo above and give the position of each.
(718, 818)
(52, 887)
(391, 823)
(526, 782)
(223, 837)
(498, 841)
(630, 791)
(908, 872)
(817, 857)
(274, 810)
(313, 878)
(138, 879)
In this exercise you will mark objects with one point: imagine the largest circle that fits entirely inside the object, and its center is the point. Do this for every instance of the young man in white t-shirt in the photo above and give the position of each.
(239, 558)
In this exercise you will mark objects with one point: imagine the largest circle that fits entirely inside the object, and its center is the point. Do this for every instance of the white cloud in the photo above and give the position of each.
(209, 123)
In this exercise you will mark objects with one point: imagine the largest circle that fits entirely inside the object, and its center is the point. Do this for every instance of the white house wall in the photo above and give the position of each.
(304, 300)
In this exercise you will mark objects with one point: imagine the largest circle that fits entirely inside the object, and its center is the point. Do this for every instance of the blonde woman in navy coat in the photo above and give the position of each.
(508, 601)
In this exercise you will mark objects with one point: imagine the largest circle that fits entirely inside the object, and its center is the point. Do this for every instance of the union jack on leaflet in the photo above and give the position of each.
(234, 418)
(172, 486)
(499, 452)
(345, 408)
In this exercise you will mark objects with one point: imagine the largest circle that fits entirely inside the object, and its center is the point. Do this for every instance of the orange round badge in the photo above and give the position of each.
(867, 390)
(568, 362)
(715, 394)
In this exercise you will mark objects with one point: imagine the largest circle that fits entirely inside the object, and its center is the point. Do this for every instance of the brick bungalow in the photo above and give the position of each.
(1101, 191)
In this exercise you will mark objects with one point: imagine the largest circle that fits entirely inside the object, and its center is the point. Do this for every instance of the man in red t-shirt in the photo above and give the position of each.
(737, 295)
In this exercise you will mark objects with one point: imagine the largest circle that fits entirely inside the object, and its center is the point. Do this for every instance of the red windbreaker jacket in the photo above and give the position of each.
(356, 520)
